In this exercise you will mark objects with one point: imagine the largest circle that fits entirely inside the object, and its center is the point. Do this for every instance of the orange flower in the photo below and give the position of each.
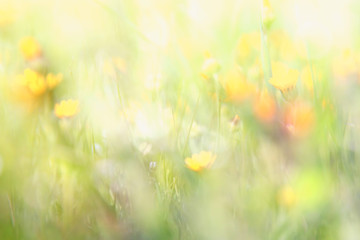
(265, 107)
(30, 48)
(299, 119)
(66, 109)
(200, 161)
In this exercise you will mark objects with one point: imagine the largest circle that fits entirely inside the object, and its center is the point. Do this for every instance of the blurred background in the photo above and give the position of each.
(183, 119)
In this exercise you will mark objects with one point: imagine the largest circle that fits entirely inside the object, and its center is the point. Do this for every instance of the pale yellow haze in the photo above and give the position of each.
(324, 22)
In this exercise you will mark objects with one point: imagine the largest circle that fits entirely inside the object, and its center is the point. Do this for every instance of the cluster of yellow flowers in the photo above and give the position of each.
(246, 82)
(36, 84)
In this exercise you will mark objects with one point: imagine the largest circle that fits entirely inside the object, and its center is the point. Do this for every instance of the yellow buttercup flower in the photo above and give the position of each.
(33, 81)
(200, 161)
(283, 77)
(66, 108)
(53, 80)
(36, 83)
(30, 48)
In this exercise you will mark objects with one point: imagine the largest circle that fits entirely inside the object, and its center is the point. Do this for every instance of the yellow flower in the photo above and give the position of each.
(200, 161)
(67, 108)
(283, 77)
(30, 48)
(287, 197)
(236, 87)
(33, 81)
(209, 68)
(53, 80)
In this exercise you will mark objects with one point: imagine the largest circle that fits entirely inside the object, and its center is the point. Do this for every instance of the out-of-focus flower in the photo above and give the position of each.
(287, 197)
(299, 119)
(37, 84)
(249, 45)
(236, 87)
(265, 107)
(200, 161)
(53, 80)
(283, 77)
(33, 81)
(209, 68)
(30, 48)
(66, 108)
(267, 14)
